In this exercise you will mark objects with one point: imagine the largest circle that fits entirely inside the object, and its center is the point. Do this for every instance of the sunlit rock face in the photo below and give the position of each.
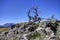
(26, 34)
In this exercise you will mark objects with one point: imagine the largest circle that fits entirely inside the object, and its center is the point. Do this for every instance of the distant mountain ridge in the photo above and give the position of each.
(7, 25)
(1, 26)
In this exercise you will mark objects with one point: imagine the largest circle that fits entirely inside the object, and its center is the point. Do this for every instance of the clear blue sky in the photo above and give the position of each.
(16, 10)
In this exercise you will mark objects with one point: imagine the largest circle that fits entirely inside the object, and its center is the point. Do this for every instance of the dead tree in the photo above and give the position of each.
(35, 17)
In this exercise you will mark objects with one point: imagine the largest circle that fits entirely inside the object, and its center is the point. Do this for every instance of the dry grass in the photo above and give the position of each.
(3, 29)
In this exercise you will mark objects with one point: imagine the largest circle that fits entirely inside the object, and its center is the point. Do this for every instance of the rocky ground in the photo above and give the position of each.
(17, 36)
